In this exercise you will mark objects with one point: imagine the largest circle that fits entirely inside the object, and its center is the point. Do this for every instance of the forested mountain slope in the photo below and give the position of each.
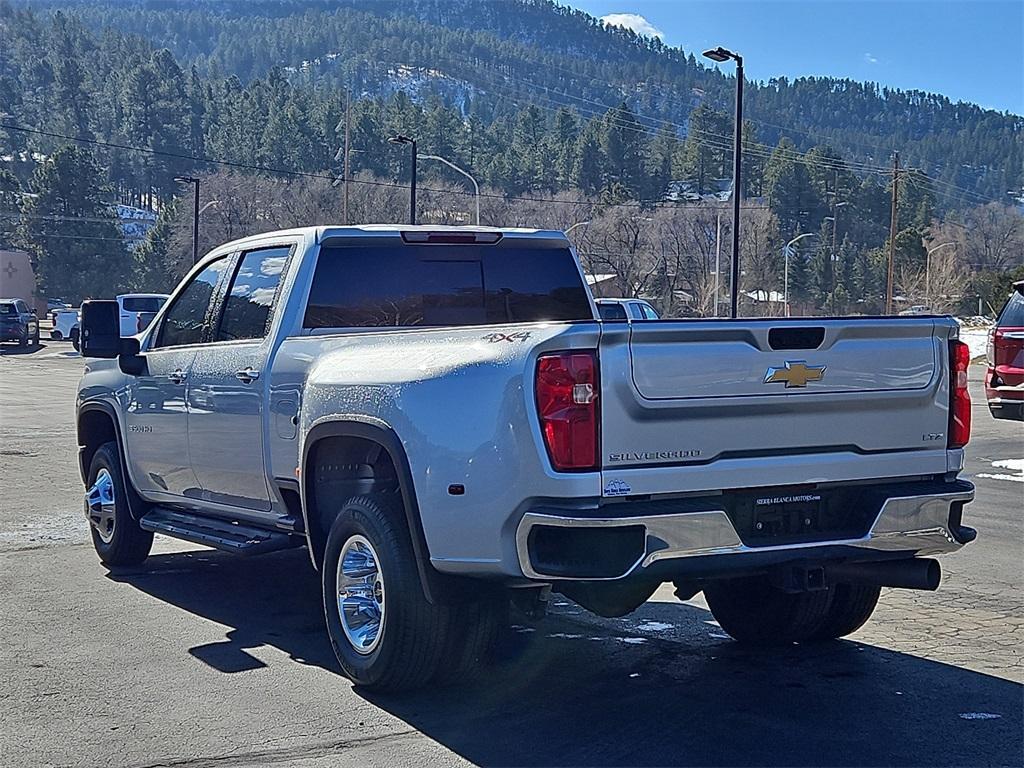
(491, 57)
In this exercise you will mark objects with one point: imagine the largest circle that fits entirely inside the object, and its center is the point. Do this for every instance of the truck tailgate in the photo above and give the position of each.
(704, 405)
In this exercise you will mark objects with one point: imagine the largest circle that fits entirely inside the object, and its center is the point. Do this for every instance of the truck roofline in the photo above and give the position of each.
(320, 233)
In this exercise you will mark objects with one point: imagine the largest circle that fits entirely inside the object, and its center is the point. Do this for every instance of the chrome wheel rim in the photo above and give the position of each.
(361, 603)
(100, 507)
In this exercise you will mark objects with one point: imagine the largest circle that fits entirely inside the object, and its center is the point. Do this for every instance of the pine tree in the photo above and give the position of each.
(623, 141)
(561, 145)
(588, 168)
(77, 247)
(707, 152)
(660, 161)
(791, 195)
(10, 208)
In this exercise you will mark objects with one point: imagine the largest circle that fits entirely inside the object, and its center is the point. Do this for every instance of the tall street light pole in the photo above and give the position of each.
(577, 224)
(195, 213)
(721, 54)
(454, 167)
(400, 139)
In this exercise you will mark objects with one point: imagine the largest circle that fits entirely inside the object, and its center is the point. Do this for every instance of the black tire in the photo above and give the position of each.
(56, 336)
(74, 339)
(23, 340)
(851, 606)
(125, 543)
(35, 340)
(411, 638)
(471, 639)
(754, 612)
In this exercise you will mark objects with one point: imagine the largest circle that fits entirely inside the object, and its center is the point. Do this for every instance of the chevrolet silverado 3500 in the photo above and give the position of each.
(441, 418)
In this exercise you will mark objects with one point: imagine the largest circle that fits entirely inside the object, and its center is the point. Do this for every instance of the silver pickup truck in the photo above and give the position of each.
(438, 415)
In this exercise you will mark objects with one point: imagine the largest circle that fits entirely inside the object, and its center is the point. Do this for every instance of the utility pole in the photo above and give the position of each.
(194, 181)
(832, 265)
(718, 256)
(892, 232)
(348, 107)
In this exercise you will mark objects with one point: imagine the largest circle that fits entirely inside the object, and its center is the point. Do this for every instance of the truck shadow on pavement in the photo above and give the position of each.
(14, 349)
(576, 691)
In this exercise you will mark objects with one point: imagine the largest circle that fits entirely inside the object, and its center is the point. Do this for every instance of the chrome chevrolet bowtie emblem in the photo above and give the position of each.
(796, 373)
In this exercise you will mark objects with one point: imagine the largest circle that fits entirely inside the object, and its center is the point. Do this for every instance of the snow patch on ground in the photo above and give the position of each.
(654, 626)
(59, 528)
(976, 340)
(1014, 465)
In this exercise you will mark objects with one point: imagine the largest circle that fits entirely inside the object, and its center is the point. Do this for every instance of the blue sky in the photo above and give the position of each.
(969, 50)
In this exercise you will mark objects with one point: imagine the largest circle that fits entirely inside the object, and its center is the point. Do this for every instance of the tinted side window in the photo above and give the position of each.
(252, 293)
(8, 309)
(185, 321)
(1012, 315)
(142, 304)
(611, 311)
(410, 285)
(648, 311)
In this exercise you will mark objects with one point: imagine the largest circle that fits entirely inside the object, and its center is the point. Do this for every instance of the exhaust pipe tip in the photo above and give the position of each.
(910, 573)
(932, 574)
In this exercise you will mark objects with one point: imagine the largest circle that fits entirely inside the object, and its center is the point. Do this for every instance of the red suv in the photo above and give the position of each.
(1004, 381)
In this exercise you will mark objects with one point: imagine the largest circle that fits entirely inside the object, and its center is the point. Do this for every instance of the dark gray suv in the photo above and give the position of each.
(18, 322)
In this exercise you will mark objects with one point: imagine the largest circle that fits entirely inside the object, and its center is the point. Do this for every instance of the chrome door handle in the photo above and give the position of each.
(247, 375)
(177, 377)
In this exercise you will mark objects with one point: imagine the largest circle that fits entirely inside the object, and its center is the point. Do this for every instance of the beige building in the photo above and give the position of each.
(17, 280)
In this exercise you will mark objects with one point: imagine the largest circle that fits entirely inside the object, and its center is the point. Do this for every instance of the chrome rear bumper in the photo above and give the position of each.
(916, 525)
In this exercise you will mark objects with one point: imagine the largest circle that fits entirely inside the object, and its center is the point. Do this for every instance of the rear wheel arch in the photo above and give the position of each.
(359, 457)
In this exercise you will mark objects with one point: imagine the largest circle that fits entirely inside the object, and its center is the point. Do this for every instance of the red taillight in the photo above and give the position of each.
(959, 397)
(567, 388)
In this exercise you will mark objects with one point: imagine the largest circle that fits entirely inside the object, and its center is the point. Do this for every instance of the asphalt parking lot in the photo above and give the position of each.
(199, 659)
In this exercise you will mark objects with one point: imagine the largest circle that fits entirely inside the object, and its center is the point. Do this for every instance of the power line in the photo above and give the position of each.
(725, 144)
(63, 217)
(47, 235)
(328, 177)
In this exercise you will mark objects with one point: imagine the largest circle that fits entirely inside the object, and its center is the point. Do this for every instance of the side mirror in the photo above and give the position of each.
(100, 332)
(130, 360)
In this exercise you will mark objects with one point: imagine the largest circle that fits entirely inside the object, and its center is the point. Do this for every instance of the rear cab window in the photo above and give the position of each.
(406, 285)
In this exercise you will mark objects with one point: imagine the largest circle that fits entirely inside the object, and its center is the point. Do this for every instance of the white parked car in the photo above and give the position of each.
(917, 309)
(138, 310)
(65, 324)
(625, 309)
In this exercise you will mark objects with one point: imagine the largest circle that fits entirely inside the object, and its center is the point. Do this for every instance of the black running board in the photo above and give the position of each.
(220, 534)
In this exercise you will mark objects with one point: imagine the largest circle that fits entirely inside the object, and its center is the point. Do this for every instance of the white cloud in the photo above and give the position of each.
(870, 58)
(633, 21)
